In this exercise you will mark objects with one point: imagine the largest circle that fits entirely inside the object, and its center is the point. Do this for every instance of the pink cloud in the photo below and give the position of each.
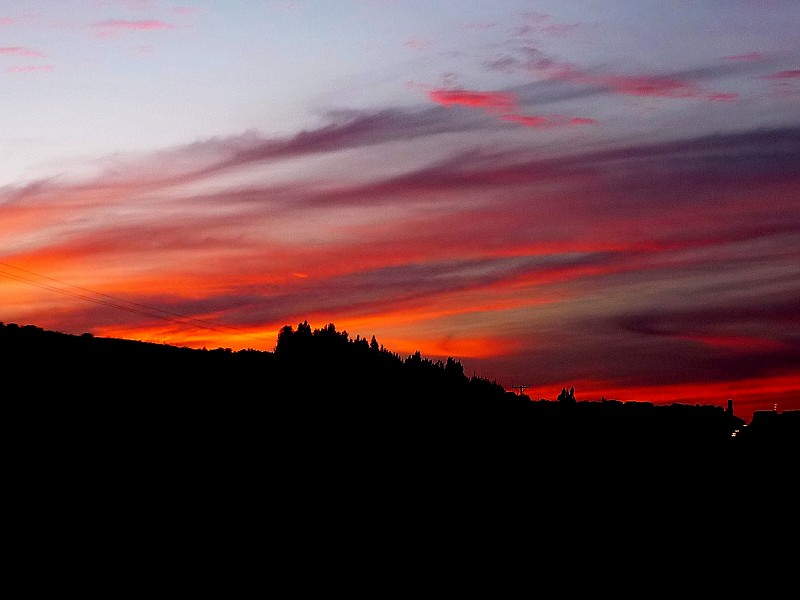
(479, 26)
(653, 86)
(20, 51)
(6, 21)
(527, 121)
(284, 6)
(419, 43)
(503, 103)
(541, 23)
(547, 120)
(30, 69)
(582, 121)
(645, 85)
(492, 101)
(532, 60)
(721, 97)
(783, 89)
(144, 49)
(124, 4)
(749, 57)
(559, 29)
(533, 16)
(791, 74)
(143, 25)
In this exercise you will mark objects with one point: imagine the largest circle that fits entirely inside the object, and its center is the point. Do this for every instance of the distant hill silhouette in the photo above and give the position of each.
(329, 443)
(321, 395)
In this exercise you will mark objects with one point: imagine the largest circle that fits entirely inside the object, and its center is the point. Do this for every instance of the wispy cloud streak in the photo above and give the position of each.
(20, 51)
(564, 216)
(531, 60)
(789, 74)
(30, 69)
(141, 25)
(502, 104)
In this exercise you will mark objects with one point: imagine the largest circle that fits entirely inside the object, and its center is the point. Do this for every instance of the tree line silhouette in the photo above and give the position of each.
(330, 442)
(325, 394)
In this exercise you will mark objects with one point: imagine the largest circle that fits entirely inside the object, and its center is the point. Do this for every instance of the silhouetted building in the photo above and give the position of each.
(771, 429)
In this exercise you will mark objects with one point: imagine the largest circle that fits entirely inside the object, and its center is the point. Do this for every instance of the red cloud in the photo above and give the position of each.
(504, 103)
(144, 25)
(20, 51)
(494, 101)
(737, 343)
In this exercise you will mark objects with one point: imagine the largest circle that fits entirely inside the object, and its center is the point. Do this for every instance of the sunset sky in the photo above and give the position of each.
(598, 194)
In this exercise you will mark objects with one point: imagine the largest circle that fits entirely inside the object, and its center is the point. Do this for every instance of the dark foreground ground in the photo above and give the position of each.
(343, 436)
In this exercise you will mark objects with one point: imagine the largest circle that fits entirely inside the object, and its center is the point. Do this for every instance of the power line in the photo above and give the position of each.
(77, 287)
(128, 305)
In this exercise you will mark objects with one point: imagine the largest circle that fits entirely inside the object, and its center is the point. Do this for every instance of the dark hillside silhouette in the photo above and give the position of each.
(333, 402)
(328, 441)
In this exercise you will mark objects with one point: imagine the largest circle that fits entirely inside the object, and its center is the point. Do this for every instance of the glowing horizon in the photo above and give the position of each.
(602, 195)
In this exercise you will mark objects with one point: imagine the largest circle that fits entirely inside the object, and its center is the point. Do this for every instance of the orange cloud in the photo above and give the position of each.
(464, 243)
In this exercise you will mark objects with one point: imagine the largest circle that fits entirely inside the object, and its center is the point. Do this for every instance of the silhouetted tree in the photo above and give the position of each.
(567, 397)
(453, 368)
